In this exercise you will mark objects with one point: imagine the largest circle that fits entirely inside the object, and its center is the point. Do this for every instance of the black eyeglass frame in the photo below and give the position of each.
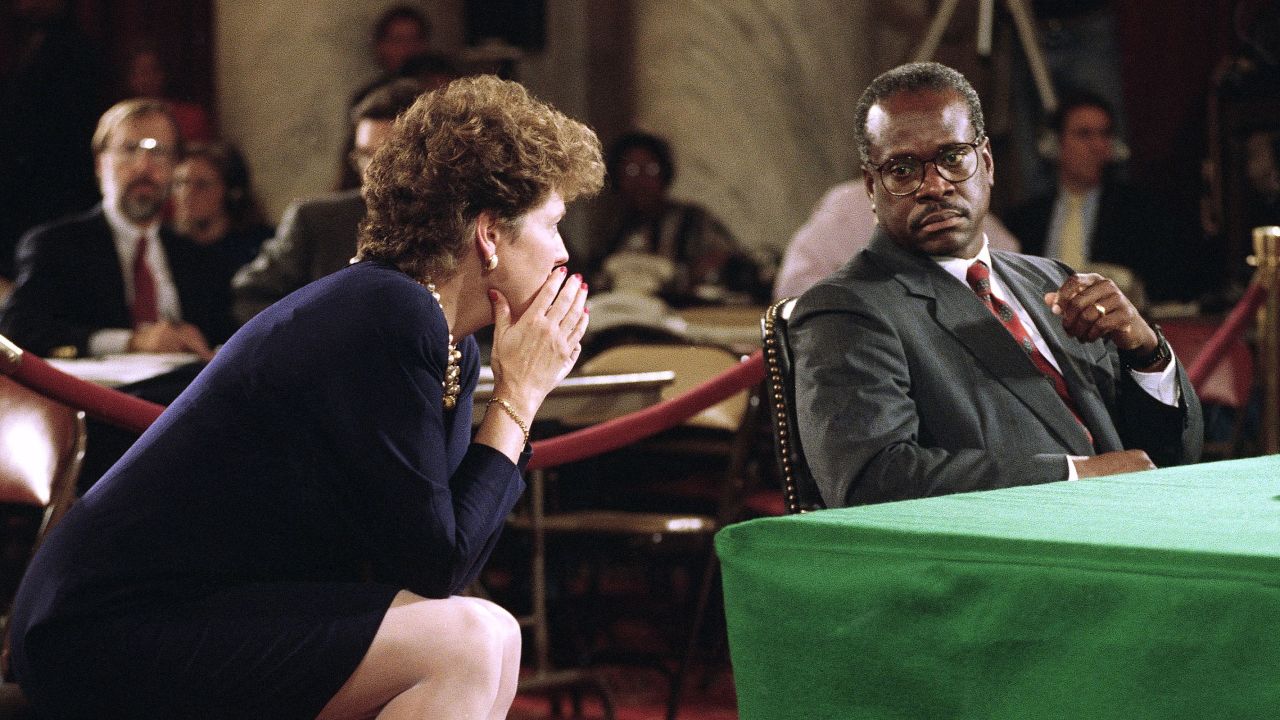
(976, 145)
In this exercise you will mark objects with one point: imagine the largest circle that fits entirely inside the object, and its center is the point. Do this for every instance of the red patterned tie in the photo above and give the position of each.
(144, 286)
(979, 277)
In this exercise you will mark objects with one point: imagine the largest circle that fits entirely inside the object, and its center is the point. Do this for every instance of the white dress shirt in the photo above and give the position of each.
(1161, 385)
(125, 235)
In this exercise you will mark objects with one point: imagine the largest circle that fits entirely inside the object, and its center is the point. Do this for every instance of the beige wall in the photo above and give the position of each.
(756, 96)
(286, 70)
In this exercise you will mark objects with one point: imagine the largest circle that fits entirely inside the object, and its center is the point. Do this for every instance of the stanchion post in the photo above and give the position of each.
(1266, 256)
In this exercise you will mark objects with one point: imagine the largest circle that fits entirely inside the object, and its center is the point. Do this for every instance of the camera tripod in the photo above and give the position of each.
(1023, 23)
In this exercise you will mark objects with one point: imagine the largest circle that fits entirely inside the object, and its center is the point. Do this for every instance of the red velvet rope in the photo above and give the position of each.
(131, 413)
(621, 431)
(101, 403)
(1216, 347)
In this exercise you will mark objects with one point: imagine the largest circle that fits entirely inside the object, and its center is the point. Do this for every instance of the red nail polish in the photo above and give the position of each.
(584, 286)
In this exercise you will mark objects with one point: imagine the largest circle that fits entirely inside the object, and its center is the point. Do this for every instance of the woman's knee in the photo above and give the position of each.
(504, 623)
(485, 635)
(495, 624)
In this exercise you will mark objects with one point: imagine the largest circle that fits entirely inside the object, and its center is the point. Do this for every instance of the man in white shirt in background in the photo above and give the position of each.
(112, 279)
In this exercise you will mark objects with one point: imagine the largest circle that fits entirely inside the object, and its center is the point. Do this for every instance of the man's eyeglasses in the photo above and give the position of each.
(651, 169)
(904, 175)
(148, 147)
(197, 184)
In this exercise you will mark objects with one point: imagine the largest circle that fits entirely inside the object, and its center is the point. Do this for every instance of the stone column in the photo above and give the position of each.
(286, 71)
(756, 97)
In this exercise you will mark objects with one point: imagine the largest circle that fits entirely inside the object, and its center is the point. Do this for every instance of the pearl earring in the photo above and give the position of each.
(492, 263)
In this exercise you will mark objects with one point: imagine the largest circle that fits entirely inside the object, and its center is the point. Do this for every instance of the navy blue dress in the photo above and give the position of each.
(238, 560)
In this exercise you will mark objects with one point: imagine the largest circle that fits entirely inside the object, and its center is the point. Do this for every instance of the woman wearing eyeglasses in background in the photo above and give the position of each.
(288, 539)
(216, 213)
(706, 261)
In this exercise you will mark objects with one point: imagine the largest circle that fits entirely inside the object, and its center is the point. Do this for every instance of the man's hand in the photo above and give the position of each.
(1112, 463)
(1092, 307)
(166, 337)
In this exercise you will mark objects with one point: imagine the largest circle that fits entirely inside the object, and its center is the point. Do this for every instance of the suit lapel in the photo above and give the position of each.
(1030, 287)
(109, 278)
(959, 311)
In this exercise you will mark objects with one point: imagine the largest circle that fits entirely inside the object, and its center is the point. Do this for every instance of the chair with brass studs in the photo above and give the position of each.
(800, 492)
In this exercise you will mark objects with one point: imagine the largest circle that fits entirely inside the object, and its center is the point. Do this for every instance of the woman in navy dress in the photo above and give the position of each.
(288, 539)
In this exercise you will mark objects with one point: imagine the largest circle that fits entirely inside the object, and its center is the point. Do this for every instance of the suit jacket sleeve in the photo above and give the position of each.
(1170, 434)
(428, 526)
(280, 268)
(68, 286)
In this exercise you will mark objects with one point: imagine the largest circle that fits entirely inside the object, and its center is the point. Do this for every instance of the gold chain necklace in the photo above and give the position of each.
(453, 372)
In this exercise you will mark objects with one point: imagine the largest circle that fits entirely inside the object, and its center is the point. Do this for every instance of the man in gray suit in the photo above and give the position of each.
(317, 236)
(930, 364)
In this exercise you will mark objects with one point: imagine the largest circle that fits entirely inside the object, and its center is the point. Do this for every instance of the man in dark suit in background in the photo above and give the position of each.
(317, 236)
(1092, 217)
(930, 364)
(111, 279)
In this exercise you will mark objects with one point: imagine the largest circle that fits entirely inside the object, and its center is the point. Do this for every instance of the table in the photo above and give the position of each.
(124, 368)
(736, 327)
(593, 397)
(1147, 595)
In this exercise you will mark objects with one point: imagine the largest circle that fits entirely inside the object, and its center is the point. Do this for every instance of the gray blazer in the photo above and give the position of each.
(316, 237)
(907, 386)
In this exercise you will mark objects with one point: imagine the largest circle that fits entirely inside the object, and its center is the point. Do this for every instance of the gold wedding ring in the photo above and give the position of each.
(1101, 310)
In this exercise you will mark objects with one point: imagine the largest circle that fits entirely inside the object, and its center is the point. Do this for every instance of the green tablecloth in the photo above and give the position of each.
(1149, 595)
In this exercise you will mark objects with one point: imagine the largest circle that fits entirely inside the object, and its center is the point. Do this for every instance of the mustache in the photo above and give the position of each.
(143, 183)
(937, 207)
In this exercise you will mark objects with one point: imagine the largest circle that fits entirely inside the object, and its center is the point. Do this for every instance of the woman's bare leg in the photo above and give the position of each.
(510, 664)
(455, 658)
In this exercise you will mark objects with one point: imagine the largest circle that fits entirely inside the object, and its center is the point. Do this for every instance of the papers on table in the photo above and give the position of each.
(116, 370)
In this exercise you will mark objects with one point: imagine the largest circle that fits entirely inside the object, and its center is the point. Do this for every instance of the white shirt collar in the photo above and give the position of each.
(959, 267)
(124, 234)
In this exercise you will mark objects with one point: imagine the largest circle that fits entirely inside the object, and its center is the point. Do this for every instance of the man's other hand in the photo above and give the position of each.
(1112, 463)
(170, 337)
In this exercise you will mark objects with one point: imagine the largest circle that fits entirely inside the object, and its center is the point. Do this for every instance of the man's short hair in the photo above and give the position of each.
(401, 12)
(126, 110)
(387, 100)
(1074, 98)
(913, 77)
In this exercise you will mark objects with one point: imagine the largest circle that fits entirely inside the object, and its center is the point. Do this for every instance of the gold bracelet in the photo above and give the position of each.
(511, 412)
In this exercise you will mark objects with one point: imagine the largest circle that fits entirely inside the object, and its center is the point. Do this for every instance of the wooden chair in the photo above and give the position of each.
(799, 491)
(719, 431)
(41, 447)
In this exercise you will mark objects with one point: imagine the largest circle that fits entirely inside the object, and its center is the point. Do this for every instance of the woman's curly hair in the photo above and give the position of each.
(478, 144)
